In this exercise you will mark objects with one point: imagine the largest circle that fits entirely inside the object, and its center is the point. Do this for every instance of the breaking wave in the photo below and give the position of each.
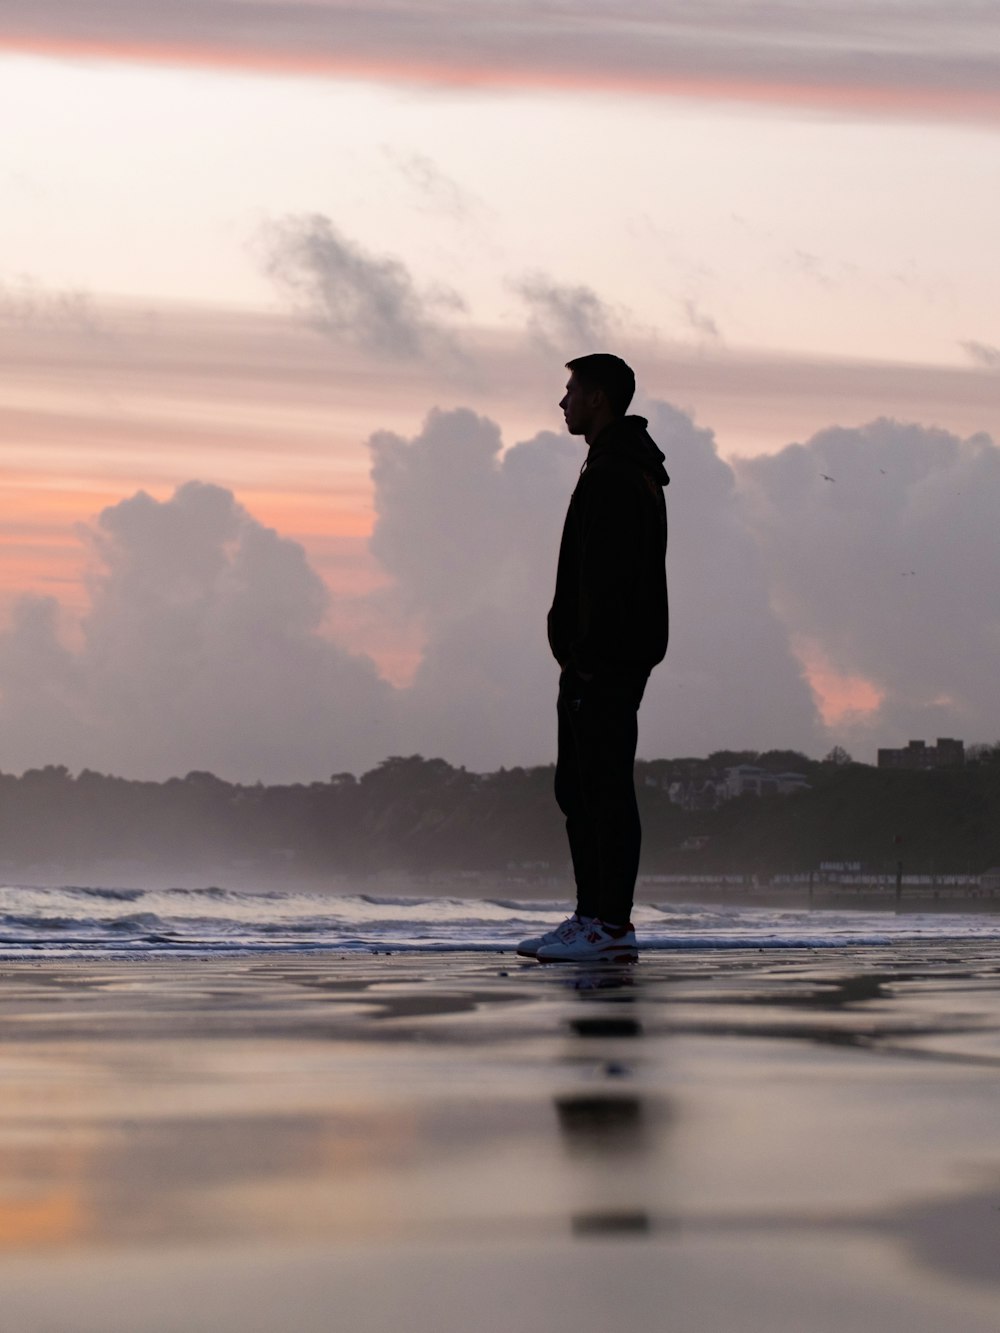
(95, 921)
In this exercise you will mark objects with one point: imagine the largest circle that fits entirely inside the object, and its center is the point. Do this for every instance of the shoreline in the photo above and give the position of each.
(834, 899)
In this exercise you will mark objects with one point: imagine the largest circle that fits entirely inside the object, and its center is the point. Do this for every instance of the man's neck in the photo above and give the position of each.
(604, 420)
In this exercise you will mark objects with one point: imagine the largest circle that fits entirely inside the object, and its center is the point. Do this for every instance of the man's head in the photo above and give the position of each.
(599, 391)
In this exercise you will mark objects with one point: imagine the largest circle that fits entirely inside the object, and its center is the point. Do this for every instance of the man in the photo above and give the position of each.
(607, 630)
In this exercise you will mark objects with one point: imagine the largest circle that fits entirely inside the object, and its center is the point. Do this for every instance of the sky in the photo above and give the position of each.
(286, 291)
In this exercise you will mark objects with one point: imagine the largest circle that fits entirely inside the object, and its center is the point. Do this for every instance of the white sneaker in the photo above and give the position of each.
(593, 940)
(562, 934)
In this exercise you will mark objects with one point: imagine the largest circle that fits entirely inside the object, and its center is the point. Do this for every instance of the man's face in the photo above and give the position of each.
(579, 406)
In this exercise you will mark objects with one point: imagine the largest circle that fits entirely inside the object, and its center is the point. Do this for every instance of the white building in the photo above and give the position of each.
(747, 779)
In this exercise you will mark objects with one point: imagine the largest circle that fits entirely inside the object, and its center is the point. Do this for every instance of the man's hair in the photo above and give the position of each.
(601, 370)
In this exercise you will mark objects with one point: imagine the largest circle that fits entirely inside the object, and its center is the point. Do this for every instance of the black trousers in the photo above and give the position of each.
(595, 788)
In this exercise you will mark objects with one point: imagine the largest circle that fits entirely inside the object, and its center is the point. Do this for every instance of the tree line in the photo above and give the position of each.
(426, 817)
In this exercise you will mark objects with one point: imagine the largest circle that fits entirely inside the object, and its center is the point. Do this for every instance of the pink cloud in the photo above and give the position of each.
(880, 58)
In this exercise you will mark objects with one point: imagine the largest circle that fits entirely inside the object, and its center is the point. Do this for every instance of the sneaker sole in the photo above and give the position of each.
(608, 956)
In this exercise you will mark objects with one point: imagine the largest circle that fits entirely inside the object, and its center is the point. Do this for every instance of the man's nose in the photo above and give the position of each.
(562, 404)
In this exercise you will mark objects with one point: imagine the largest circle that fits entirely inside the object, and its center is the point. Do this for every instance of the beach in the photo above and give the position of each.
(744, 1139)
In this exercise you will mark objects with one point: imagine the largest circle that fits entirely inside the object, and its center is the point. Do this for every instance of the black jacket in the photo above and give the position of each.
(609, 612)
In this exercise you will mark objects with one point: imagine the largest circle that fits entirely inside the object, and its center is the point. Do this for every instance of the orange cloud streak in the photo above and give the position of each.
(950, 103)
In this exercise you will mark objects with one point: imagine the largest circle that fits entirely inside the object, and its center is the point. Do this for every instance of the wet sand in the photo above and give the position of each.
(786, 1141)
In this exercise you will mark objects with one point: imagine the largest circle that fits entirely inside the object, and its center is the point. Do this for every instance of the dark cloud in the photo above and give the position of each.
(928, 56)
(364, 299)
(982, 354)
(892, 570)
(562, 316)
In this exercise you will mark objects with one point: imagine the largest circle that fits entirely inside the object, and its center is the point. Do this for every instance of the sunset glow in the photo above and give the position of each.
(854, 99)
(284, 310)
(840, 696)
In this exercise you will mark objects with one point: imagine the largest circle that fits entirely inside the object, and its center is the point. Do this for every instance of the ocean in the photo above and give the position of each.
(94, 922)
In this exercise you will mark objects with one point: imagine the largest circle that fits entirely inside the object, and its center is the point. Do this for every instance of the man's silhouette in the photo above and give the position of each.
(607, 630)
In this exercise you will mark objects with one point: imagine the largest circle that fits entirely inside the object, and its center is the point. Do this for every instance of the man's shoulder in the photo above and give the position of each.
(611, 471)
(601, 479)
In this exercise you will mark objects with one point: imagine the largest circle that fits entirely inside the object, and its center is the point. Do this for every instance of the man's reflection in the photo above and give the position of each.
(609, 1131)
(602, 1123)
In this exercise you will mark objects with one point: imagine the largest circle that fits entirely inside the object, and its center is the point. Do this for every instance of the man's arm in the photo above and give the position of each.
(610, 568)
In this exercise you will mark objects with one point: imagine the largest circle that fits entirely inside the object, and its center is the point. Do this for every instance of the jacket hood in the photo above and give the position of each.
(629, 438)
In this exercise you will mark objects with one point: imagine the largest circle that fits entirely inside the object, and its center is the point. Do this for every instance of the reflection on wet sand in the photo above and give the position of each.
(610, 1129)
(616, 1138)
(686, 1105)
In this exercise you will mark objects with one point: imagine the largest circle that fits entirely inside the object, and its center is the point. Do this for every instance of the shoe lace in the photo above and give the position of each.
(569, 928)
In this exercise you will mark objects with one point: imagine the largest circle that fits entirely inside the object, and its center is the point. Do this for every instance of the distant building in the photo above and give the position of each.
(692, 795)
(743, 780)
(918, 755)
(746, 779)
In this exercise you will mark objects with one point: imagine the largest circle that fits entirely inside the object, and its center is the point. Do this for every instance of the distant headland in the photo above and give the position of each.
(753, 821)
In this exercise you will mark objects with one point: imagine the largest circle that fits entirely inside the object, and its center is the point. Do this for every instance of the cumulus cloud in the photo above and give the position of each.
(201, 649)
(730, 679)
(891, 570)
(364, 299)
(470, 535)
(561, 315)
(982, 354)
(203, 644)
